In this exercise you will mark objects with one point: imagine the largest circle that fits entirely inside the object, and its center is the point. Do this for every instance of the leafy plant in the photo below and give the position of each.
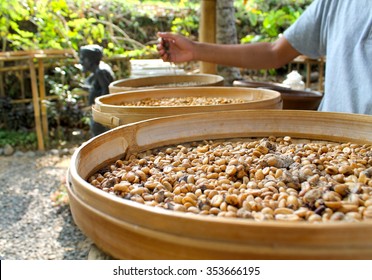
(22, 139)
(65, 113)
(266, 19)
(13, 13)
(186, 25)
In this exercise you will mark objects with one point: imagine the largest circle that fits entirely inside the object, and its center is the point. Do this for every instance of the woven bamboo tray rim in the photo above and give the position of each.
(111, 101)
(163, 80)
(109, 111)
(298, 124)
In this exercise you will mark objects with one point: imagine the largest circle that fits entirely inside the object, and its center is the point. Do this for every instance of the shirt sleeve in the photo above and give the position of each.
(308, 34)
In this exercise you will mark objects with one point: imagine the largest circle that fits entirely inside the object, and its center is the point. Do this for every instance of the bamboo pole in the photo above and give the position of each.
(2, 92)
(51, 52)
(25, 67)
(22, 81)
(321, 73)
(35, 98)
(44, 118)
(207, 31)
(20, 101)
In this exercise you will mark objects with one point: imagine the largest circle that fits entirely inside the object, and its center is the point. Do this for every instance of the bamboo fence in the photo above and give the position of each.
(35, 62)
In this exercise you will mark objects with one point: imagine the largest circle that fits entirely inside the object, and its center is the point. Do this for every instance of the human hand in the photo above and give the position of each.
(175, 48)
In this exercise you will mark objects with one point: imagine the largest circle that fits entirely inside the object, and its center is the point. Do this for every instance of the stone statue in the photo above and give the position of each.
(98, 81)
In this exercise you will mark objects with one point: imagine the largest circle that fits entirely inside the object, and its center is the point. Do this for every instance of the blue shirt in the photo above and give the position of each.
(341, 30)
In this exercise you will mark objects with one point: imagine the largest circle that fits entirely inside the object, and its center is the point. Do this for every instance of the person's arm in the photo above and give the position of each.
(252, 56)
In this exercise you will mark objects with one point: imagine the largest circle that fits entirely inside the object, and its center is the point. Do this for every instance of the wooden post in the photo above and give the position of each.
(35, 100)
(308, 73)
(44, 117)
(207, 31)
(22, 82)
(321, 73)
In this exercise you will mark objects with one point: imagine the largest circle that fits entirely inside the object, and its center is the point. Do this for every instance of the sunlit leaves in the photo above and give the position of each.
(267, 18)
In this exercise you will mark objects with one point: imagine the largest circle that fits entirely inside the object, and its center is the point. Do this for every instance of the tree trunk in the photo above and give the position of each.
(226, 34)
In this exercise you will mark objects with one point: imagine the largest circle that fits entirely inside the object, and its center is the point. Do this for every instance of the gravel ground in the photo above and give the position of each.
(31, 225)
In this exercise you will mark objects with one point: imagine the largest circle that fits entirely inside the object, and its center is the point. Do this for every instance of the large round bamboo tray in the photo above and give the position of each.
(292, 99)
(109, 111)
(166, 81)
(128, 230)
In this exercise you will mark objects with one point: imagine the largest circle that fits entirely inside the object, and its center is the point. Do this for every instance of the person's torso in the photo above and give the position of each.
(340, 30)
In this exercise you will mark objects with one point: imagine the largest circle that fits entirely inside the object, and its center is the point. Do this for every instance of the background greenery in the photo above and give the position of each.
(123, 27)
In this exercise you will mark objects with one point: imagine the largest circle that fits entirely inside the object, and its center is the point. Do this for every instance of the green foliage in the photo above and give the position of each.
(66, 112)
(275, 22)
(263, 20)
(118, 25)
(22, 139)
(12, 12)
(122, 26)
(185, 26)
(187, 21)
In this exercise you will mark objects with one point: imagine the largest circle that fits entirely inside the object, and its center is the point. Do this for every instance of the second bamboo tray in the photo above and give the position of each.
(109, 111)
(166, 81)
